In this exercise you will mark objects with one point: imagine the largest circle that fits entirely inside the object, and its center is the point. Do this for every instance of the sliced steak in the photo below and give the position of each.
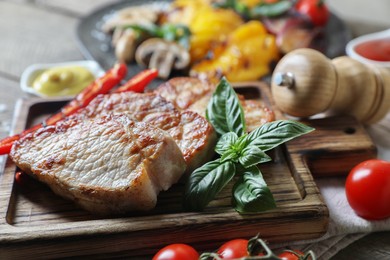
(193, 133)
(194, 94)
(107, 164)
(187, 93)
(256, 113)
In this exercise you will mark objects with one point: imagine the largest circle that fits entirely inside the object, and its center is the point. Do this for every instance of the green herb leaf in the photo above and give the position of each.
(224, 110)
(230, 147)
(251, 193)
(272, 134)
(230, 155)
(242, 142)
(226, 142)
(176, 32)
(252, 155)
(150, 29)
(206, 182)
(170, 32)
(235, 5)
(270, 10)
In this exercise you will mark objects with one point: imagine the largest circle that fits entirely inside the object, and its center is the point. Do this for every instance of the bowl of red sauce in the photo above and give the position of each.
(371, 48)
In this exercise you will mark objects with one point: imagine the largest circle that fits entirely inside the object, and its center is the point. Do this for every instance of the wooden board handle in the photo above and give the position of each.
(335, 147)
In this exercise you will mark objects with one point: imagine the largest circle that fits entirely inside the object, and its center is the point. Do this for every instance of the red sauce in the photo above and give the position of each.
(378, 50)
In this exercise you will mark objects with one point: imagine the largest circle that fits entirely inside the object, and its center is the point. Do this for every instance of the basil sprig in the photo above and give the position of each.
(240, 153)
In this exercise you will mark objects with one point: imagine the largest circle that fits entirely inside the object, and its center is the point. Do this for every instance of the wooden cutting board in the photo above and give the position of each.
(36, 223)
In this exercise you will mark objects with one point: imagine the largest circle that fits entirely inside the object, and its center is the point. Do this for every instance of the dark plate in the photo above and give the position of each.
(96, 45)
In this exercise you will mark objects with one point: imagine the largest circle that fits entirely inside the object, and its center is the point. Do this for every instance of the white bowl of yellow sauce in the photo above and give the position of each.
(65, 79)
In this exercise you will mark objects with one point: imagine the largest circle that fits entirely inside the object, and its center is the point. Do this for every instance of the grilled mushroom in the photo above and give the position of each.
(162, 55)
(125, 46)
(124, 38)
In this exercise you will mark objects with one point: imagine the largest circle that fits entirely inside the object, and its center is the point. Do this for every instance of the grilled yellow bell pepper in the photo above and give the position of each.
(207, 24)
(246, 55)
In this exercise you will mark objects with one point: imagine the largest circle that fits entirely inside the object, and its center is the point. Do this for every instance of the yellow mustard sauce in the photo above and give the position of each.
(62, 81)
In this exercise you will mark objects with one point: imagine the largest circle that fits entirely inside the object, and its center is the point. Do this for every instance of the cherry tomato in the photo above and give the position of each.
(289, 255)
(21, 178)
(316, 10)
(18, 177)
(235, 248)
(368, 189)
(177, 252)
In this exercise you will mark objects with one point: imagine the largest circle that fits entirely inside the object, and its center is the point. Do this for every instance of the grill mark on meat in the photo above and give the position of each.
(48, 164)
(184, 91)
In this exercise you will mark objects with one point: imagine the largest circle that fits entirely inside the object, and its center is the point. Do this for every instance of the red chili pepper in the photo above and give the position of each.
(100, 86)
(5, 148)
(139, 82)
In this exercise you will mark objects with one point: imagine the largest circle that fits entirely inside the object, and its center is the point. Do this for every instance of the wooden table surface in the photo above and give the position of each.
(43, 31)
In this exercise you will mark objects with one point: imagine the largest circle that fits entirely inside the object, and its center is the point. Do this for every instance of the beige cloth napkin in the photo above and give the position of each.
(345, 226)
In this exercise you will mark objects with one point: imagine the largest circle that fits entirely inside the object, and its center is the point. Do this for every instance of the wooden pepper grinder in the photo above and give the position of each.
(305, 82)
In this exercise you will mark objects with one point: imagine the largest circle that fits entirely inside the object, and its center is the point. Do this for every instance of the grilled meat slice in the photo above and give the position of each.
(194, 94)
(107, 164)
(256, 113)
(193, 133)
(187, 93)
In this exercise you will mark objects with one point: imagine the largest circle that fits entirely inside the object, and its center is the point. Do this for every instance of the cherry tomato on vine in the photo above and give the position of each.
(316, 10)
(368, 189)
(289, 255)
(177, 252)
(235, 248)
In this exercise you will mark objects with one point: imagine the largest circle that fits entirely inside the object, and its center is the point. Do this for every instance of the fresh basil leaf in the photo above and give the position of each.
(206, 182)
(252, 155)
(270, 10)
(224, 110)
(230, 146)
(240, 169)
(230, 155)
(272, 134)
(251, 193)
(242, 142)
(226, 142)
